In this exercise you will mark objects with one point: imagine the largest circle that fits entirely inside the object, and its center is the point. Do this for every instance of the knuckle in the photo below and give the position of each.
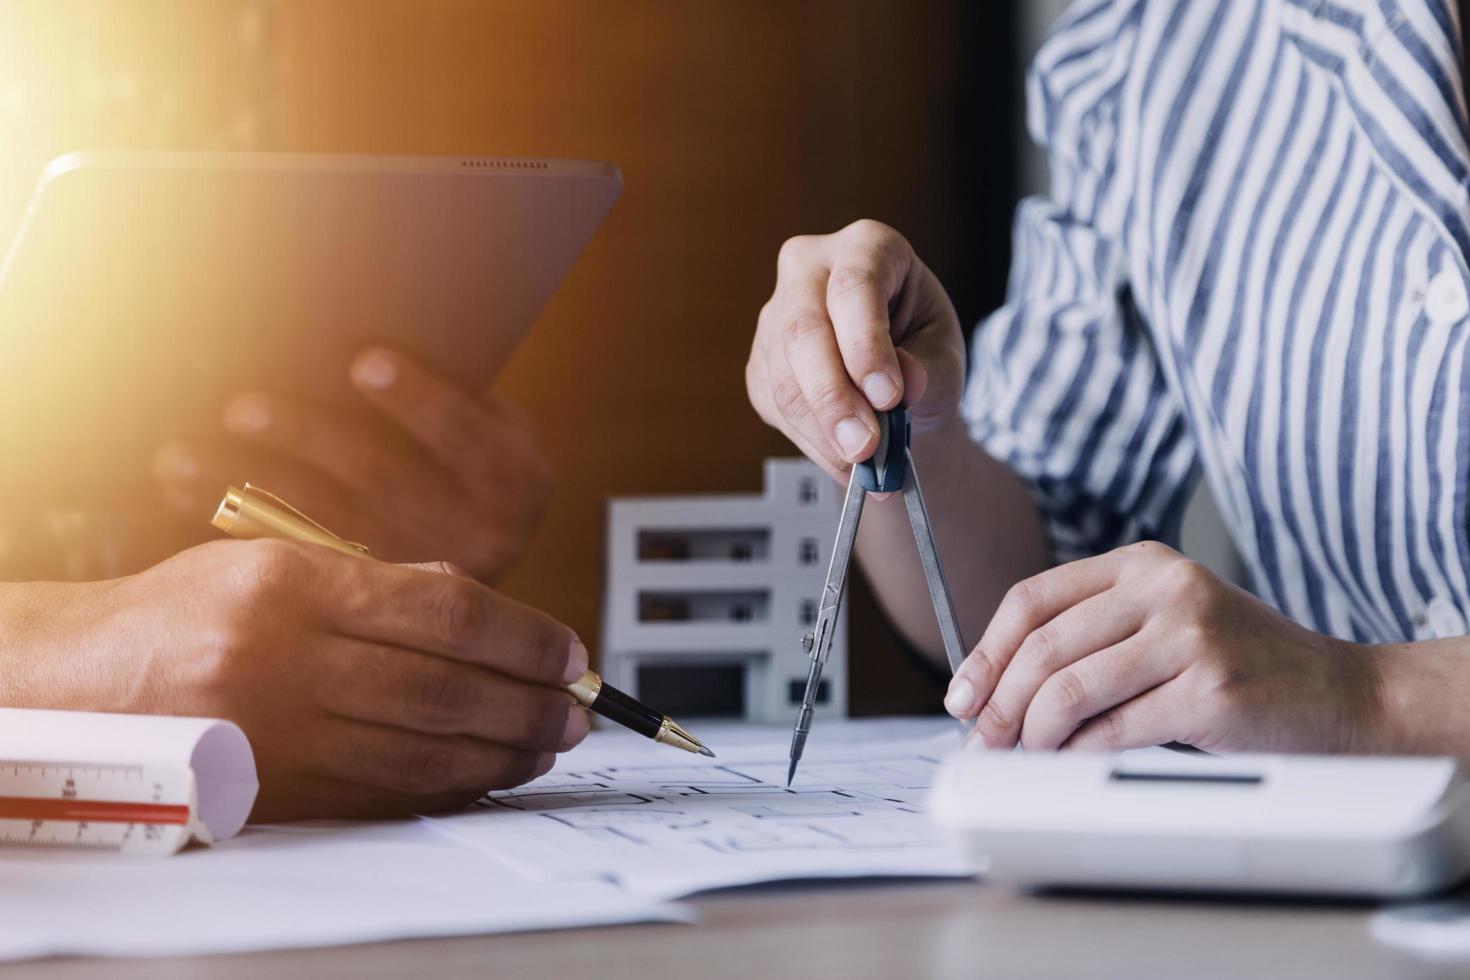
(799, 327)
(1041, 648)
(869, 229)
(829, 399)
(789, 399)
(1069, 691)
(1026, 597)
(794, 252)
(1220, 682)
(452, 569)
(849, 277)
(267, 567)
(879, 243)
(868, 348)
(1192, 635)
(459, 610)
(1186, 579)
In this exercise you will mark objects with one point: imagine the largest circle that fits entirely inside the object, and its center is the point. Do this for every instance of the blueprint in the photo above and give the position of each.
(664, 824)
(286, 885)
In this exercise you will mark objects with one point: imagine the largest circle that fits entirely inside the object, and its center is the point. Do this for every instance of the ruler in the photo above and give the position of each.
(134, 809)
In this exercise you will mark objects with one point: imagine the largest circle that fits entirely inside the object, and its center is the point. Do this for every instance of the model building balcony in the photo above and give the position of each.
(708, 597)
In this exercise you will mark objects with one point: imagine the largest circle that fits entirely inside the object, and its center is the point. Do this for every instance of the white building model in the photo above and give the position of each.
(707, 598)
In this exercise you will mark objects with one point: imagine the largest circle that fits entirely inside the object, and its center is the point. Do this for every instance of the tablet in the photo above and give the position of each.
(142, 290)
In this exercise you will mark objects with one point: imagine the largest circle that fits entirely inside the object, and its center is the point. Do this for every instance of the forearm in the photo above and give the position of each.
(987, 531)
(1424, 697)
(49, 654)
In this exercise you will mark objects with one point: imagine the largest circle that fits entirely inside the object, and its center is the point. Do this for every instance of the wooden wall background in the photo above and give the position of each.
(737, 123)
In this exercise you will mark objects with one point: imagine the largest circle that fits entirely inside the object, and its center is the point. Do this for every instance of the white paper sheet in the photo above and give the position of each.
(286, 886)
(663, 824)
(203, 763)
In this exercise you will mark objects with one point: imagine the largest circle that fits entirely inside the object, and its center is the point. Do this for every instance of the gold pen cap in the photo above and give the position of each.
(254, 513)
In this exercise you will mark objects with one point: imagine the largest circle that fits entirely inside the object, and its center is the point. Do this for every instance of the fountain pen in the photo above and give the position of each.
(254, 513)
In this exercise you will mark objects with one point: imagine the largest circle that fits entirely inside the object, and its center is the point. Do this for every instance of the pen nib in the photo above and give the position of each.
(790, 773)
(704, 751)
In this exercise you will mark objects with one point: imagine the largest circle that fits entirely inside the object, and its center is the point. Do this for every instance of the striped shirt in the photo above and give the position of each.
(1251, 268)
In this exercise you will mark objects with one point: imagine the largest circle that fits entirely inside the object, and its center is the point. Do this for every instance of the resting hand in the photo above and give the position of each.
(439, 474)
(366, 689)
(1141, 647)
(856, 323)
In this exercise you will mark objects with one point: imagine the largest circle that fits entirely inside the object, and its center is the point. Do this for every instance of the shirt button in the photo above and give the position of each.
(1445, 620)
(1445, 300)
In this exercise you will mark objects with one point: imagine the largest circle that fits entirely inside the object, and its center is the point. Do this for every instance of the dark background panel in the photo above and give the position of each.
(737, 123)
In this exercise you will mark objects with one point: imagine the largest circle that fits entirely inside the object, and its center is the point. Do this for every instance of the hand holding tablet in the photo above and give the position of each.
(435, 473)
(329, 323)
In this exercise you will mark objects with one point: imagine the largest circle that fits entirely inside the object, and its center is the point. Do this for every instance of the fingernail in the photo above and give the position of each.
(375, 369)
(961, 697)
(880, 389)
(853, 437)
(174, 462)
(247, 414)
(579, 723)
(576, 662)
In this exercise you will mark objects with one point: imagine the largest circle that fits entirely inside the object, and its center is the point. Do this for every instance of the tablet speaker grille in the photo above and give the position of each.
(490, 163)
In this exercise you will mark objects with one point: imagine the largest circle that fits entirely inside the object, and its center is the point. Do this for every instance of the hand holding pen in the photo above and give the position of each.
(366, 689)
(252, 513)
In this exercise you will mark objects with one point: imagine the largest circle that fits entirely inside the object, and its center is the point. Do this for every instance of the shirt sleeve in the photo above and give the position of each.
(1066, 386)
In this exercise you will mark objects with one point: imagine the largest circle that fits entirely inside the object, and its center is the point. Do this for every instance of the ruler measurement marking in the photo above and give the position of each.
(40, 842)
(121, 768)
(73, 804)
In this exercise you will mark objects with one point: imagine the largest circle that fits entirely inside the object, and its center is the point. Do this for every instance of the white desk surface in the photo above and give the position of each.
(904, 930)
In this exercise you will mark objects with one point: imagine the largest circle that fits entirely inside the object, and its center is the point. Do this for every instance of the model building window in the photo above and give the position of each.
(808, 553)
(740, 551)
(808, 612)
(741, 613)
(807, 493)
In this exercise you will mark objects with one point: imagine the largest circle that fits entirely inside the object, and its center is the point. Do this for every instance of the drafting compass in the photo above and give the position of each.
(890, 470)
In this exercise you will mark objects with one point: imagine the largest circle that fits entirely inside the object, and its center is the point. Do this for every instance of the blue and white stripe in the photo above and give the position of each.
(1252, 267)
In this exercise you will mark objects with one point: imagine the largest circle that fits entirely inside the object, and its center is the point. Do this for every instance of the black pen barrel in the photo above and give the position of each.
(618, 707)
